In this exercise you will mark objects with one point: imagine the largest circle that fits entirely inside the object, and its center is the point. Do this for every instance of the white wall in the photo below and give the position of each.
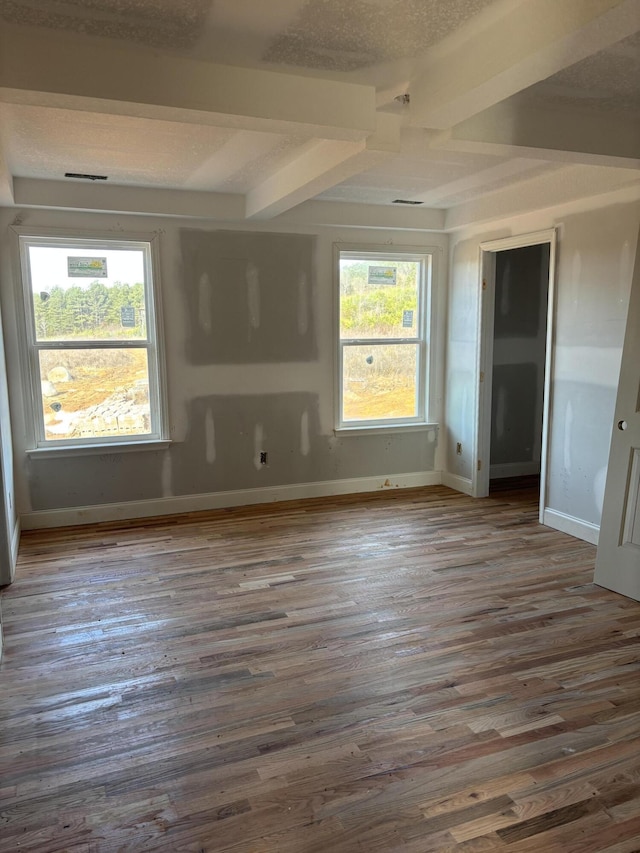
(9, 525)
(596, 248)
(240, 393)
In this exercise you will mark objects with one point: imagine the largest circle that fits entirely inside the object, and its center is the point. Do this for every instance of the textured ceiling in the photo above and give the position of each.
(168, 24)
(528, 172)
(608, 80)
(336, 36)
(326, 35)
(407, 177)
(254, 170)
(381, 43)
(418, 178)
(45, 143)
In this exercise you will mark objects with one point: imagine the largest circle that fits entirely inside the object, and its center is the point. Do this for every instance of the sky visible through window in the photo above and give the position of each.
(49, 266)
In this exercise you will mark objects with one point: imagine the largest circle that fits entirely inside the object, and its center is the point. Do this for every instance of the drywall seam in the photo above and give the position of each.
(573, 526)
(459, 484)
(219, 500)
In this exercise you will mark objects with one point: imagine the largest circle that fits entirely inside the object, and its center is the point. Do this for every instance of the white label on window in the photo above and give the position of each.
(407, 319)
(87, 267)
(382, 275)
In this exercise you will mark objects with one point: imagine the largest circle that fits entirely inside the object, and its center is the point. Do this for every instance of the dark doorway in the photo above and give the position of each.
(518, 367)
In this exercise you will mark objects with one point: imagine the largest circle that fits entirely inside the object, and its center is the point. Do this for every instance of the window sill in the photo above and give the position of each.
(386, 428)
(98, 449)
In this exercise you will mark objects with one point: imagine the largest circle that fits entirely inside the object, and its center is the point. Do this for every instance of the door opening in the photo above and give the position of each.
(514, 362)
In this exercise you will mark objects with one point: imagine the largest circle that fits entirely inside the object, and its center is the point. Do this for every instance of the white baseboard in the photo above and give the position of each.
(218, 500)
(459, 484)
(573, 526)
(514, 469)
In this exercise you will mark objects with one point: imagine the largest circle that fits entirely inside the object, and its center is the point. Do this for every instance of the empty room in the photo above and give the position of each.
(320, 426)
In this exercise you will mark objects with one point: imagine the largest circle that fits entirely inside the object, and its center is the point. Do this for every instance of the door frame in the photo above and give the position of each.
(484, 361)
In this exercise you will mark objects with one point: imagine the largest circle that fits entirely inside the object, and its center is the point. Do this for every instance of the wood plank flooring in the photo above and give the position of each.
(412, 671)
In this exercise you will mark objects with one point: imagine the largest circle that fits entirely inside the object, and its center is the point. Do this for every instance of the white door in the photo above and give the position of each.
(618, 559)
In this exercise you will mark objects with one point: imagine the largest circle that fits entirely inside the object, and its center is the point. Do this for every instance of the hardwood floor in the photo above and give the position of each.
(411, 671)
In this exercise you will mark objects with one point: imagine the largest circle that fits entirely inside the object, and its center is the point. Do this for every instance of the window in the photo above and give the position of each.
(383, 321)
(92, 342)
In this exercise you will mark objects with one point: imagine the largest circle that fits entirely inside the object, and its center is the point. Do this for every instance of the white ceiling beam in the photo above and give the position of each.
(72, 195)
(517, 167)
(239, 153)
(540, 193)
(84, 73)
(321, 166)
(532, 41)
(340, 214)
(592, 138)
(63, 195)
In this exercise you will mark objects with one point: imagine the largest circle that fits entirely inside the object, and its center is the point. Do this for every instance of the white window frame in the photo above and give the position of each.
(92, 242)
(426, 256)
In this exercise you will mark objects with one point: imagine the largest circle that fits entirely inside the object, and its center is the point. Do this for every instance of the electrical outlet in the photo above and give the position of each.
(459, 448)
(264, 457)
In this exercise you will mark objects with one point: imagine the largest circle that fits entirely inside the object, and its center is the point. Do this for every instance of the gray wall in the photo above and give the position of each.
(593, 279)
(220, 404)
(249, 335)
(595, 269)
(519, 338)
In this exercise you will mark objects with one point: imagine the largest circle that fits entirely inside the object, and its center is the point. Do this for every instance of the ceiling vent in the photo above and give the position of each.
(405, 201)
(84, 177)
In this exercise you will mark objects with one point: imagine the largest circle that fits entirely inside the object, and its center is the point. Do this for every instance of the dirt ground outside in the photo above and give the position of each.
(93, 393)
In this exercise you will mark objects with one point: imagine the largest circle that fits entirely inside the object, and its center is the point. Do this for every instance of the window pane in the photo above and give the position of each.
(87, 293)
(379, 381)
(95, 393)
(379, 298)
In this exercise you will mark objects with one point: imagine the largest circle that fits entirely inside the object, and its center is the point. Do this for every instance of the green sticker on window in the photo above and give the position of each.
(87, 267)
(382, 275)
